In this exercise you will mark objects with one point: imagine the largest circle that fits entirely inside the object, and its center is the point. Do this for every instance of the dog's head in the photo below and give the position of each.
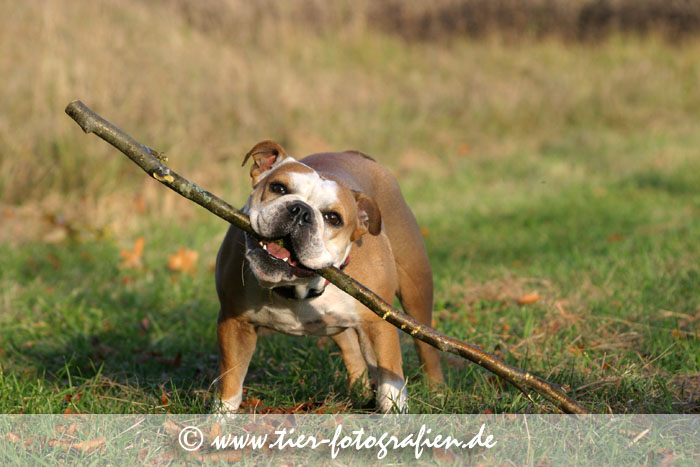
(309, 221)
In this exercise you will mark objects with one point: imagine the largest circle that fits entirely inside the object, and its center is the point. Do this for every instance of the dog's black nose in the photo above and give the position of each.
(301, 212)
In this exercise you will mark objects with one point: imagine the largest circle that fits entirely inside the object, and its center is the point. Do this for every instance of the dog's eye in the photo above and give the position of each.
(333, 218)
(277, 187)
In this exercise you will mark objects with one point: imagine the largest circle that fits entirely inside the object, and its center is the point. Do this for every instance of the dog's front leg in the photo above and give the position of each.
(380, 346)
(354, 361)
(237, 341)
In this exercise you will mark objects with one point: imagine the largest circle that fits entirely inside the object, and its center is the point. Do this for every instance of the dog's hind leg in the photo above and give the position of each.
(416, 296)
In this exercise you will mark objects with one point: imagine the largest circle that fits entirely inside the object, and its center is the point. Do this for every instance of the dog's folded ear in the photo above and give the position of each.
(369, 218)
(265, 154)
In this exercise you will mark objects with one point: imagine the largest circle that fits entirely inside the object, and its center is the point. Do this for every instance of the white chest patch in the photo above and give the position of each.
(329, 314)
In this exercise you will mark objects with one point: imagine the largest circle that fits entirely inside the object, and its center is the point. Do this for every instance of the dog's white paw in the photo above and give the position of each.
(226, 408)
(392, 397)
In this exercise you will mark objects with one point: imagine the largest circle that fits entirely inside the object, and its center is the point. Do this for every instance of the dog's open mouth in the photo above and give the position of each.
(283, 252)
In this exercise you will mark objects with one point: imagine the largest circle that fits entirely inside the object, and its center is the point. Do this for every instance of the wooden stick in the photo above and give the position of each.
(151, 162)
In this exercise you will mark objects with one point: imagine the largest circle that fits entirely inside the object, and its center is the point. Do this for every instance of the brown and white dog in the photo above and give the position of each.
(340, 209)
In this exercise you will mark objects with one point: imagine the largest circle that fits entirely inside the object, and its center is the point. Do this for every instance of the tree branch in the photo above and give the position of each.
(150, 161)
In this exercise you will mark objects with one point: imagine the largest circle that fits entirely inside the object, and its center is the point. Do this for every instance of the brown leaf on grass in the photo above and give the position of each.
(66, 430)
(666, 456)
(529, 298)
(82, 446)
(13, 438)
(228, 456)
(74, 397)
(424, 231)
(444, 456)
(132, 258)
(215, 430)
(463, 149)
(55, 262)
(678, 334)
(252, 404)
(144, 326)
(172, 428)
(174, 362)
(184, 261)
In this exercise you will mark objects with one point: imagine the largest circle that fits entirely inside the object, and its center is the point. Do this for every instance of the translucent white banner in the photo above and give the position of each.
(352, 439)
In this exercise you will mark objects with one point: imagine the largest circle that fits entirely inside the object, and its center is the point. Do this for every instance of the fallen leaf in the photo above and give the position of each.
(86, 446)
(616, 237)
(667, 458)
(185, 261)
(463, 149)
(444, 456)
(66, 430)
(529, 298)
(132, 258)
(174, 362)
(144, 326)
(424, 231)
(253, 405)
(74, 397)
(172, 428)
(215, 430)
(678, 334)
(13, 438)
(228, 456)
(55, 262)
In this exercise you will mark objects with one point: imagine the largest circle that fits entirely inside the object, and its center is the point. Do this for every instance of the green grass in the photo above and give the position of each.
(620, 261)
(567, 170)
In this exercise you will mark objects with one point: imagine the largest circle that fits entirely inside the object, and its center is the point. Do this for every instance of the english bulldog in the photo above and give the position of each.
(341, 209)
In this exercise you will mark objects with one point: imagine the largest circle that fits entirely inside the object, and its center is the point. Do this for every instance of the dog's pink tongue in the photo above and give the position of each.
(278, 251)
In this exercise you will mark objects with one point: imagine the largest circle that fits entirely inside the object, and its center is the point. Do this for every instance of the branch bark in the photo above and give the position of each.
(151, 162)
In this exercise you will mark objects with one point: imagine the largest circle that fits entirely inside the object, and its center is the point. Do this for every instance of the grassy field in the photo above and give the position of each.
(565, 170)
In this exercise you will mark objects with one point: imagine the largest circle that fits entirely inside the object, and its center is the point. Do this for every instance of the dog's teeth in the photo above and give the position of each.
(264, 247)
(285, 259)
